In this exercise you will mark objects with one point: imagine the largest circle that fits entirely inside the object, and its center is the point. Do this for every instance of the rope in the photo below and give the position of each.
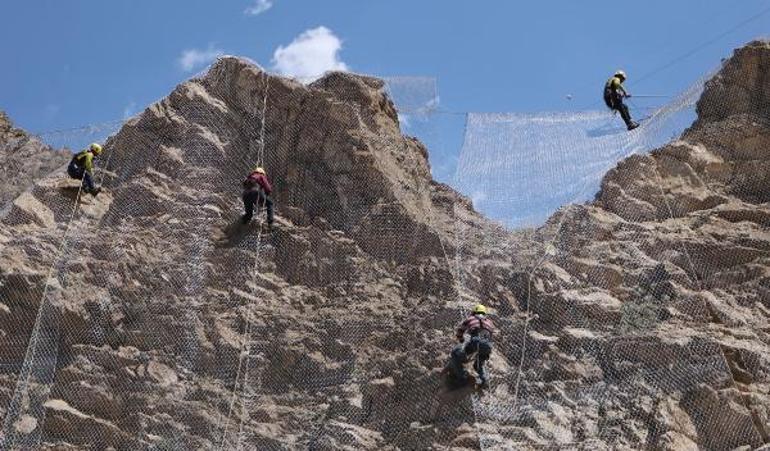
(426, 112)
(260, 162)
(644, 77)
(527, 312)
(22, 384)
(78, 128)
(698, 280)
(690, 52)
(455, 274)
(699, 47)
(548, 249)
(246, 351)
(243, 355)
(458, 285)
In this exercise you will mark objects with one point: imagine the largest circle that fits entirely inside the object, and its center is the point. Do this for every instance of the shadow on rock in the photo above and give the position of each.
(70, 192)
(235, 232)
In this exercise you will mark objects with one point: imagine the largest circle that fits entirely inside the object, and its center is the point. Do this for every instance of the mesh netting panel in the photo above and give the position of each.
(603, 310)
(520, 168)
(80, 137)
(413, 95)
(417, 100)
(211, 290)
(151, 318)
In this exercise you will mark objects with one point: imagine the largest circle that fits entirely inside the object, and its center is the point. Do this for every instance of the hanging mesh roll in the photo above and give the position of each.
(520, 168)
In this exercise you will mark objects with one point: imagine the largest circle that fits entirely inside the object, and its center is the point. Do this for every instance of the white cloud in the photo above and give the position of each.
(309, 55)
(258, 7)
(192, 58)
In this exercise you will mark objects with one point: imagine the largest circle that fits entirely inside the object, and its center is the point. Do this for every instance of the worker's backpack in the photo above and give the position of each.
(609, 97)
(250, 183)
(76, 159)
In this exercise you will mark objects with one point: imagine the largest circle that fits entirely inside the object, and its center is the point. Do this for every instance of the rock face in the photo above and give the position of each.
(22, 160)
(658, 296)
(640, 320)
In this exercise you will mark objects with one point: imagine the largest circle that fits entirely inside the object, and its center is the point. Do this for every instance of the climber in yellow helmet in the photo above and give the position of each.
(479, 329)
(81, 167)
(614, 93)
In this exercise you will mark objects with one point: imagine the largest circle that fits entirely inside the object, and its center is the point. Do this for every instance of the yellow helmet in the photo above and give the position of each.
(95, 148)
(259, 170)
(479, 310)
(620, 73)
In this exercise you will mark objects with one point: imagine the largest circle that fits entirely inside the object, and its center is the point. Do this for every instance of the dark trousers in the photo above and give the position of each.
(477, 345)
(76, 172)
(252, 197)
(616, 103)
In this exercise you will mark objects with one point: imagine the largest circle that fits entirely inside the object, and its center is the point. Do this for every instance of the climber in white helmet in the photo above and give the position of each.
(81, 167)
(614, 93)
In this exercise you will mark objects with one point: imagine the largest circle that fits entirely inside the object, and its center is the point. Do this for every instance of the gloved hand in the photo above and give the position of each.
(627, 95)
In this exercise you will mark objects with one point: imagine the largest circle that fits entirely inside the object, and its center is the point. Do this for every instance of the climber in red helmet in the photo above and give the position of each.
(256, 190)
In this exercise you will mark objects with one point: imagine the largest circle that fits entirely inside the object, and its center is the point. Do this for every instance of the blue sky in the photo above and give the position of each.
(75, 62)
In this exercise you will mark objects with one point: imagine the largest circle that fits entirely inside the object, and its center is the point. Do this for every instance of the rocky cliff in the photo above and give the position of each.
(23, 159)
(656, 296)
(147, 317)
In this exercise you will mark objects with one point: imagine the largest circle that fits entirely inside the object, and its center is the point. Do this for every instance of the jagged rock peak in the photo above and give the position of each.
(23, 159)
(742, 86)
(334, 148)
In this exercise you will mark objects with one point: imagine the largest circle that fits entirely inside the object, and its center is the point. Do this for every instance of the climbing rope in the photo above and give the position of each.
(699, 47)
(698, 280)
(21, 392)
(457, 285)
(692, 51)
(245, 352)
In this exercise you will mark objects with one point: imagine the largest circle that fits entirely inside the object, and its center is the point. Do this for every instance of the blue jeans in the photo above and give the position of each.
(478, 345)
(76, 172)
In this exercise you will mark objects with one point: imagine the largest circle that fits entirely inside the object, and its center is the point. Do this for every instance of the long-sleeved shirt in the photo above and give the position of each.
(615, 84)
(258, 180)
(475, 324)
(85, 160)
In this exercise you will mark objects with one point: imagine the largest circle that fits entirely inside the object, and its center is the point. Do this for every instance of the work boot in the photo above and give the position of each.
(95, 191)
(245, 219)
(632, 126)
